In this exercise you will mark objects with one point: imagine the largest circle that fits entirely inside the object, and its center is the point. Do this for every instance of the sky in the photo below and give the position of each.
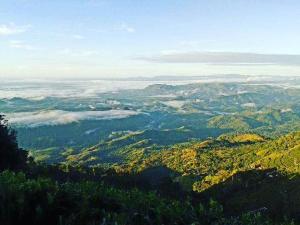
(127, 38)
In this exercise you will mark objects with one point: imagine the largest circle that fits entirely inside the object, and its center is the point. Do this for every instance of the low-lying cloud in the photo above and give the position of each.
(224, 58)
(41, 89)
(59, 117)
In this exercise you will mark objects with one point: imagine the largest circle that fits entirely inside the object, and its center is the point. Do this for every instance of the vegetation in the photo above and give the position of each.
(42, 201)
(195, 154)
(11, 157)
(35, 196)
(167, 115)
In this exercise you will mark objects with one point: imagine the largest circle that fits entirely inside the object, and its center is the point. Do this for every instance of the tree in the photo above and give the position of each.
(11, 156)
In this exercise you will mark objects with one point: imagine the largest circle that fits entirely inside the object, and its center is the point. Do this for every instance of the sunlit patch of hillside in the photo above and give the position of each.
(213, 161)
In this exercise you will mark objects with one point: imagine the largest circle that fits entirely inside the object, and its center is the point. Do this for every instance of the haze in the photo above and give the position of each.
(109, 39)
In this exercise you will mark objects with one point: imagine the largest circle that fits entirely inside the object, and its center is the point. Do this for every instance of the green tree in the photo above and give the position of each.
(11, 156)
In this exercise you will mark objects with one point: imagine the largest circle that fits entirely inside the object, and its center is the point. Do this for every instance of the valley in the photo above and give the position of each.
(236, 143)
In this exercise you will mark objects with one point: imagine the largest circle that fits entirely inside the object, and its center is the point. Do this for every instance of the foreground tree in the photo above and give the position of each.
(11, 156)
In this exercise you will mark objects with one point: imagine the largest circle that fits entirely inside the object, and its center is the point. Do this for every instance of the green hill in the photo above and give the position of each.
(213, 161)
(255, 179)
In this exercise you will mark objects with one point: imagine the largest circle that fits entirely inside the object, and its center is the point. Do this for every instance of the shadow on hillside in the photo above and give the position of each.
(158, 179)
(267, 191)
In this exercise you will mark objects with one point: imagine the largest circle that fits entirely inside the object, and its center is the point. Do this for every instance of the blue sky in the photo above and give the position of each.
(120, 38)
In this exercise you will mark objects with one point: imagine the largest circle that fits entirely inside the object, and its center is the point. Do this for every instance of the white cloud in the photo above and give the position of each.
(193, 44)
(11, 28)
(58, 117)
(87, 53)
(77, 36)
(20, 44)
(174, 103)
(224, 58)
(170, 52)
(190, 43)
(125, 27)
(81, 53)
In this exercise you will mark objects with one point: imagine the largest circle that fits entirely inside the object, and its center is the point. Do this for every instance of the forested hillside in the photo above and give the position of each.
(102, 129)
(216, 153)
(233, 179)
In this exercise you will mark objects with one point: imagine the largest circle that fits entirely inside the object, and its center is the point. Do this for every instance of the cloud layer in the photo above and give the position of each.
(224, 58)
(58, 117)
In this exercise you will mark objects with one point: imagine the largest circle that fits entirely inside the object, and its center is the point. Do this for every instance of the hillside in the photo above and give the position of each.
(41, 194)
(100, 129)
(215, 153)
(215, 160)
(245, 163)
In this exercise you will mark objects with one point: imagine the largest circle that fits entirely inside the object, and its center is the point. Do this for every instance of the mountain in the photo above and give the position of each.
(202, 153)
(253, 178)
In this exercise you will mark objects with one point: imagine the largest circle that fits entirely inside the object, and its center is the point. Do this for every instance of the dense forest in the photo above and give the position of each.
(258, 187)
